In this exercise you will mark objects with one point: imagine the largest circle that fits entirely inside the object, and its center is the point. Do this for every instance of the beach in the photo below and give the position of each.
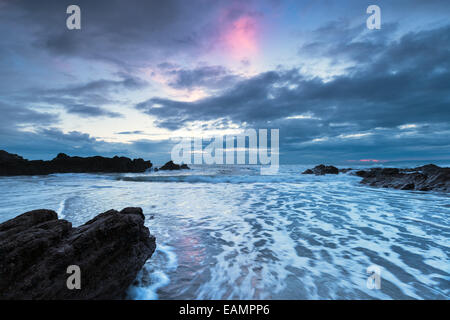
(227, 232)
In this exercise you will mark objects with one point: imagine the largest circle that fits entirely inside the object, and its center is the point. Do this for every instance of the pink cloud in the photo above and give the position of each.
(240, 37)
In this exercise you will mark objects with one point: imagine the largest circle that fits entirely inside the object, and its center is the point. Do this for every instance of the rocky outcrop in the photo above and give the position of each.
(425, 178)
(173, 166)
(13, 165)
(321, 170)
(36, 248)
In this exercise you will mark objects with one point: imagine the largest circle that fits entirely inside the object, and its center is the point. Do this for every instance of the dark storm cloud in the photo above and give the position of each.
(388, 82)
(404, 82)
(125, 33)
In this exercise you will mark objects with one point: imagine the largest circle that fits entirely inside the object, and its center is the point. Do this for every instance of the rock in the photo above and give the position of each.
(321, 170)
(425, 178)
(173, 166)
(9, 157)
(12, 165)
(36, 248)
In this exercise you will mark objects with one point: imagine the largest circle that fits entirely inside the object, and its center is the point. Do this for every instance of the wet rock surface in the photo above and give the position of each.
(424, 178)
(173, 166)
(322, 170)
(36, 248)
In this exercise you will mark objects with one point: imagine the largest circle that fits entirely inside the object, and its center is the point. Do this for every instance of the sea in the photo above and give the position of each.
(228, 232)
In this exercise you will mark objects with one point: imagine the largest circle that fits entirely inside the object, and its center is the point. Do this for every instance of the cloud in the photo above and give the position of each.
(89, 111)
(88, 99)
(101, 86)
(347, 92)
(46, 143)
(131, 132)
(16, 116)
(403, 82)
(385, 92)
(156, 31)
(212, 77)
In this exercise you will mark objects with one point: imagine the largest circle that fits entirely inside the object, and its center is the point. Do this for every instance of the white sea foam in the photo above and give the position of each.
(150, 279)
(61, 208)
(229, 233)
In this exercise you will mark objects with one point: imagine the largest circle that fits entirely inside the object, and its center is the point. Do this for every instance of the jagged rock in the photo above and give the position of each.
(424, 178)
(321, 170)
(36, 249)
(173, 166)
(12, 165)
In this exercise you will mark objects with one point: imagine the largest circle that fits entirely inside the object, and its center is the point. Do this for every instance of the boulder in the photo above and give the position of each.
(322, 170)
(173, 166)
(36, 249)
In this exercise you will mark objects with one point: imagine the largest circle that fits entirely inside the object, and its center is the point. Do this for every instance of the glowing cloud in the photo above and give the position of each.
(240, 37)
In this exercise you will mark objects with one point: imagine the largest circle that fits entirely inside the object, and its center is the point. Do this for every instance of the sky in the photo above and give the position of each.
(139, 75)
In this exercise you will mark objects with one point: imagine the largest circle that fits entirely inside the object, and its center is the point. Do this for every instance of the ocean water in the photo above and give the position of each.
(226, 232)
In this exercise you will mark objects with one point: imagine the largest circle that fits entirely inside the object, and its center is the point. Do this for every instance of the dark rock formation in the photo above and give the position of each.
(13, 165)
(321, 170)
(425, 178)
(173, 166)
(36, 249)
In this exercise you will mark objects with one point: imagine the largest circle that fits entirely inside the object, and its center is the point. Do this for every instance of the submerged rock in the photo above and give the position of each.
(321, 170)
(36, 248)
(13, 165)
(173, 166)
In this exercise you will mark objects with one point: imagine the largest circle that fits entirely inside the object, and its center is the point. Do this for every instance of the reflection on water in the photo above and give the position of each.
(227, 233)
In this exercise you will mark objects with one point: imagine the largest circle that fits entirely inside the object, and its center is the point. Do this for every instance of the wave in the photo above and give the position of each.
(149, 279)
(61, 208)
(235, 179)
